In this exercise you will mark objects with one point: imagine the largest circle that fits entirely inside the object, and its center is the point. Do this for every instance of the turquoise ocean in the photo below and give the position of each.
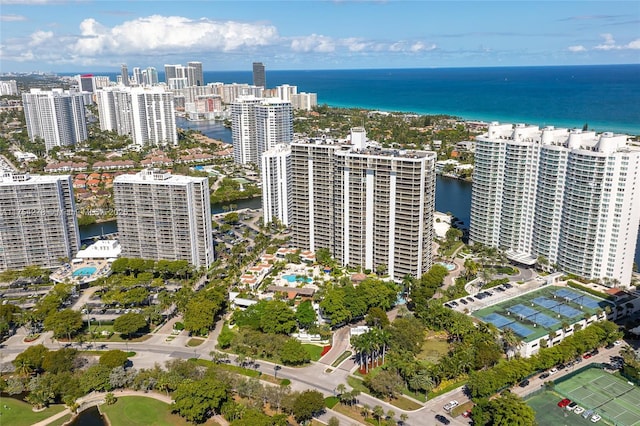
(606, 97)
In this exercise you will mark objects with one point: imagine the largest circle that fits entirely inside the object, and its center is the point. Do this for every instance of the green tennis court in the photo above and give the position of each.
(548, 413)
(612, 397)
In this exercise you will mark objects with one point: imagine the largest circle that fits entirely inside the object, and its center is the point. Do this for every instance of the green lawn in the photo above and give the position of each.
(342, 357)
(315, 351)
(140, 410)
(18, 413)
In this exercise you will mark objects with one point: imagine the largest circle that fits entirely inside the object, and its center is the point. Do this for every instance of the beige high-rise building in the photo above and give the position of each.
(38, 224)
(369, 206)
(164, 216)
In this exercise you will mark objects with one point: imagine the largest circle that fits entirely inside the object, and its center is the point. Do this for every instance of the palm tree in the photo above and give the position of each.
(421, 380)
(378, 412)
(403, 418)
(510, 340)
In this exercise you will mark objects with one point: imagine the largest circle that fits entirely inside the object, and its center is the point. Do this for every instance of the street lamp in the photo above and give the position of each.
(275, 370)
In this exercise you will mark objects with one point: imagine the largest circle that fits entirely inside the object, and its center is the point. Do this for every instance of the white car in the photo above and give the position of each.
(595, 418)
(553, 371)
(451, 405)
(617, 343)
(578, 410)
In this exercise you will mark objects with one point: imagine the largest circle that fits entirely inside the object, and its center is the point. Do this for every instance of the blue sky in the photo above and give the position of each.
(91, 36)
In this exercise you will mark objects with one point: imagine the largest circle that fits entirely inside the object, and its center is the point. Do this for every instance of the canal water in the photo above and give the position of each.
(89, 417)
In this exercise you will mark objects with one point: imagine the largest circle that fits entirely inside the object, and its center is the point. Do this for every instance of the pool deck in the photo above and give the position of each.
(66, 271)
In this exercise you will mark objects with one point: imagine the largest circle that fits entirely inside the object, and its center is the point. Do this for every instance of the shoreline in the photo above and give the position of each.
(598, 127)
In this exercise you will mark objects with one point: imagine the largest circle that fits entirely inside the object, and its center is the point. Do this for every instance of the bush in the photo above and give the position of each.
(178, 326)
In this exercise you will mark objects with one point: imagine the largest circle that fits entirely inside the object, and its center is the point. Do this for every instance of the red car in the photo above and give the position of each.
(586, 356)
(466, 414)
(564, 403)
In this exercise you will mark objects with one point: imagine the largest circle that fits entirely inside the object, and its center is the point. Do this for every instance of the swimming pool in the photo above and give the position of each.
(295, 278)
(85, 271)
(449, 266)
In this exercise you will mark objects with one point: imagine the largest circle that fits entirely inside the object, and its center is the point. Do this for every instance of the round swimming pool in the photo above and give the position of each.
(449, 266)
(296, 278)
(84, 271)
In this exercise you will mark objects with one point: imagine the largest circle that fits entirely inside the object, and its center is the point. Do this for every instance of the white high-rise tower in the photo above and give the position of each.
(56, 116)
(276, 184)
(147, 114)
(164, 216)
(567, 196)
(38, 224)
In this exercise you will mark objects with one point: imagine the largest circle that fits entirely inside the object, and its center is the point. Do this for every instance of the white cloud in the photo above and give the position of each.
(95, 43)
(40, 37)
(421, 47)
(313, 43)
(12, 18)
(609, 43)
(161, 34)
(578, 48)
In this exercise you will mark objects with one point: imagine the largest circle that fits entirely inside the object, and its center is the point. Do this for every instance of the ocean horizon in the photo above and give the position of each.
(605, 98)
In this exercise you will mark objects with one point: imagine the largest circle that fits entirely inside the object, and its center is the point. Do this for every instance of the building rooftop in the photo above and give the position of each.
(538, 313)
(156, 176)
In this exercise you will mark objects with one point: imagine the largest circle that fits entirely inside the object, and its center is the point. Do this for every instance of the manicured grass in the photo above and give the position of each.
(342, 357)
(331, 401)
(61, 421)
(195, 341)
(350, 411)
(139, 410)
(400, 402)
(315, 351)
(19, 413)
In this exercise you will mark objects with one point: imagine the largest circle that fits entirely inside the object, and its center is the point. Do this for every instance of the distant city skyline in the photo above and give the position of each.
(98, 36)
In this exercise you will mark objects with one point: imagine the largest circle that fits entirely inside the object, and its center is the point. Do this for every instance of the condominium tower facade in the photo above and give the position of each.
(564, 197)
(55, 116)
(258, 125)
(370, 207)
(38, 224)
(164, 216)
(276, 184)
(147, 114)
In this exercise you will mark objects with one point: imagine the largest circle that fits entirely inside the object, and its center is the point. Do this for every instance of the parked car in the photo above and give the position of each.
(524, 383)
(572, 406)
(595, 418)
(579, 410)
(617, 343)
(587, 414)
(451, 405)
(544, 375)
(553, 371)
(470, 299)
(586, 356)
(507, 285)
(463, 301)
(610, 346)
(442, 419)
(466, 414)
(564, 403)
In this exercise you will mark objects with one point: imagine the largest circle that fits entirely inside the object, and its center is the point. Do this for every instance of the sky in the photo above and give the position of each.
(100, 35)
